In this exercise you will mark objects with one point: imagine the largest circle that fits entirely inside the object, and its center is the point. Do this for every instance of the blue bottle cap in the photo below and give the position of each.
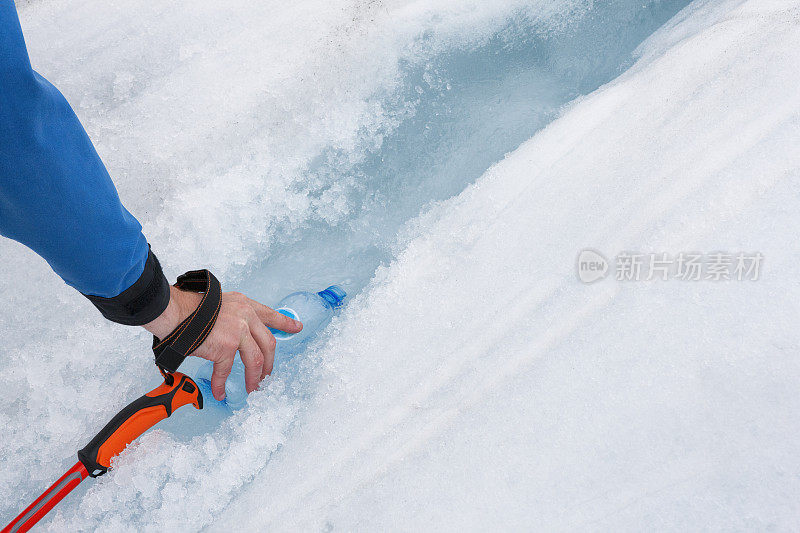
(334, 295)
(281, 335)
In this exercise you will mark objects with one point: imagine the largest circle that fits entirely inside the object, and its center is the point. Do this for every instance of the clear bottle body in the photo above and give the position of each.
(235, 389)
(313, 309)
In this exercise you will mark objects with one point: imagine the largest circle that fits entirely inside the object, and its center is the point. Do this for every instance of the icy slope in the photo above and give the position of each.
(478, 384)
(475, 383)
(296, 138)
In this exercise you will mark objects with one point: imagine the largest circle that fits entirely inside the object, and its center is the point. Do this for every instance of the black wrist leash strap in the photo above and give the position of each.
(184, 339)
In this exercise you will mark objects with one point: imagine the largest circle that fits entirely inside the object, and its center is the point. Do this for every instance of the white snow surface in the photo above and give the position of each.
(473, 382)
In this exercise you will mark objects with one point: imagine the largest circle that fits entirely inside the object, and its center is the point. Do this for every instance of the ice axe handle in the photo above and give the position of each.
(136, 418)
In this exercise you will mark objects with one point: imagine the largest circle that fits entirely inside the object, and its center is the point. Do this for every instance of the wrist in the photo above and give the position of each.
(181, 305)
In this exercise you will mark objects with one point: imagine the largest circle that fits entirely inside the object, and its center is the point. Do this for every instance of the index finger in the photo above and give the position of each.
(274, 319)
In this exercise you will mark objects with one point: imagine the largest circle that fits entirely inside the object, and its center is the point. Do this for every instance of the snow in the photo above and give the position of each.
(474, 382)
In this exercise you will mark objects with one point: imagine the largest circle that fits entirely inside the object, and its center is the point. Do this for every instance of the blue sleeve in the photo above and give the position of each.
(56, 196)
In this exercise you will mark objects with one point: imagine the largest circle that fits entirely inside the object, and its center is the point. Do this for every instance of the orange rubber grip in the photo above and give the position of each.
(136, 418)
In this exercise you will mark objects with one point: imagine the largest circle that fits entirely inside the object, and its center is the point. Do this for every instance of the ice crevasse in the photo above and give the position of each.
(524, 397)
(475, 382)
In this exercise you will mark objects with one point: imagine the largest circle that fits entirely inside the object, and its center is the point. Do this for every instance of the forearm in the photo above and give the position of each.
(57, 198)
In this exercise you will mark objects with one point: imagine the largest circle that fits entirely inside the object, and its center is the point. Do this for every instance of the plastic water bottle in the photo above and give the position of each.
(235, 389)
(313, 309)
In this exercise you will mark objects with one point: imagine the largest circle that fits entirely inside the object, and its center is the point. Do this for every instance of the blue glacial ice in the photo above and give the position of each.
(447, 160)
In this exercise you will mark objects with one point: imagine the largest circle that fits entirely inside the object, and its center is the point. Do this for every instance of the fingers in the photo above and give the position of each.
(274, 319)
(253, 361)
(241, 326)
(222, 369)
(266, 343)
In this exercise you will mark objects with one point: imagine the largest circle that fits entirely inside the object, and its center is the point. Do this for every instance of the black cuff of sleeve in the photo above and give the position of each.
(140, 303)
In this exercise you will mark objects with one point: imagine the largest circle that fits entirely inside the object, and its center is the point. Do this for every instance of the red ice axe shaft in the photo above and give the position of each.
(48, 499)
(95, 459)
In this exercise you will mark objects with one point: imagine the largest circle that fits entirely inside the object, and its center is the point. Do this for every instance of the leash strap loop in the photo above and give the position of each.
(184, 339)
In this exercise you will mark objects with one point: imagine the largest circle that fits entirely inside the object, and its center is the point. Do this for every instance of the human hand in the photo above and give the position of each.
(241, 325)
